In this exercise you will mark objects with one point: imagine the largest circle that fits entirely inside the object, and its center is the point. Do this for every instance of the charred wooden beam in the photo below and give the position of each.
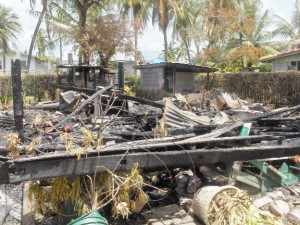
(34, 169)
(121, 96)
(274, 113)
(17, 97)
(149, 145)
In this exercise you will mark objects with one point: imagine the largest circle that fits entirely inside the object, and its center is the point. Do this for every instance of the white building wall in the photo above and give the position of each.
(36, 64)
(281, 65)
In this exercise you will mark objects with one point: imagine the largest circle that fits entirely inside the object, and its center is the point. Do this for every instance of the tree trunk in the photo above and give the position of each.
(37, 27)
(82, 8)
(60, 48)
(165, 43)
(135, 45)
(4, 61)
(187, 51)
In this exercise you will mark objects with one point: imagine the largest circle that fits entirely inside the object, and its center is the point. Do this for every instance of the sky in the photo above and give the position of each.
(150, 43)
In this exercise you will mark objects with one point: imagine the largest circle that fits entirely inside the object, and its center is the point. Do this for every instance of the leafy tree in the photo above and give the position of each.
(9, 29)
(77, 13)
(107, 35)
(253, 37)
(235, 32)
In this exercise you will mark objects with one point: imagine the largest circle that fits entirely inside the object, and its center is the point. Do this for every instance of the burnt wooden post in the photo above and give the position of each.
(17, 96)
(121, 77)
(207, 81)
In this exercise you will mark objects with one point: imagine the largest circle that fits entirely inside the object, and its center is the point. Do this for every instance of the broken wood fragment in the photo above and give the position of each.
(90, 99)
(213, 174)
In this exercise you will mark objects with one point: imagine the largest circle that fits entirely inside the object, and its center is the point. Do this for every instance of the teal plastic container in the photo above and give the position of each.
(89, 218)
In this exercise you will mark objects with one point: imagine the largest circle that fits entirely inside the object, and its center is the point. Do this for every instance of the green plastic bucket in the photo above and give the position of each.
(89, 218)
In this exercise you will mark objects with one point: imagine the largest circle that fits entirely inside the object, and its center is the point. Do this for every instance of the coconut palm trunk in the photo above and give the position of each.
(165, 44)
(37, 27)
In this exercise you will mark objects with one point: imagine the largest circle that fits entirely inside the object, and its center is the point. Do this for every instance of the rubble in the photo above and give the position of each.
(192, 142)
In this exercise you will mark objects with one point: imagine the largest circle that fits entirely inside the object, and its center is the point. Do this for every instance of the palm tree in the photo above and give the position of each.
(43, 43)
(163, 10)
(181, 28)
(76, 12)
(139, 10)
(9, 29)
(290, 30)
(253, 38)
(37, 27)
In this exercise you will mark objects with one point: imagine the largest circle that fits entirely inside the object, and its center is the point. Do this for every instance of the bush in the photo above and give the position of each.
(134, 83)
(5, 89)
(40, 86)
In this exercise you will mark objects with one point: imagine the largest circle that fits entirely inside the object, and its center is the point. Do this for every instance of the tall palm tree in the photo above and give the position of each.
(77, 12)
(183, 22)
(163, 10)
(41, 16)
(43, 43)
(253, 38)
(290, 30)
(139, 11)
(9, 29)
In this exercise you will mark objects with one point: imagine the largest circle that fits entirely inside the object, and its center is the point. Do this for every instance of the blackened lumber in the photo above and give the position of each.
(83, 104)
(274, 113)
(183, 144)
(159, 145)
(213, 174)
(49, 106)
(158, 140)
(140, 100)
(121, 96)
(219, 131)
(135, 133)
(280, 119)
(193, 129)
(283, 134)
(4, 171)
(178, 131)
(17, 97)
(25, 169)
(162, 147)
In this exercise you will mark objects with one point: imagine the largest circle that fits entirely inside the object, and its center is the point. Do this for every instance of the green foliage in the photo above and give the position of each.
(265, 67)
(40, 86)
(5, 89)
(134, 83)
(9, 27)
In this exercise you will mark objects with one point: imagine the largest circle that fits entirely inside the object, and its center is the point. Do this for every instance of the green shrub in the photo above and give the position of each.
(40, 86)
(5, 89)
(134, 83)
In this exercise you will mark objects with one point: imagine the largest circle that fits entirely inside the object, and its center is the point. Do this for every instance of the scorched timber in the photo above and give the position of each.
(48, 167)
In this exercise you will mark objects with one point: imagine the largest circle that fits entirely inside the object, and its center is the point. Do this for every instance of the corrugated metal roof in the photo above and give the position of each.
(180, 67)
(281, 55)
